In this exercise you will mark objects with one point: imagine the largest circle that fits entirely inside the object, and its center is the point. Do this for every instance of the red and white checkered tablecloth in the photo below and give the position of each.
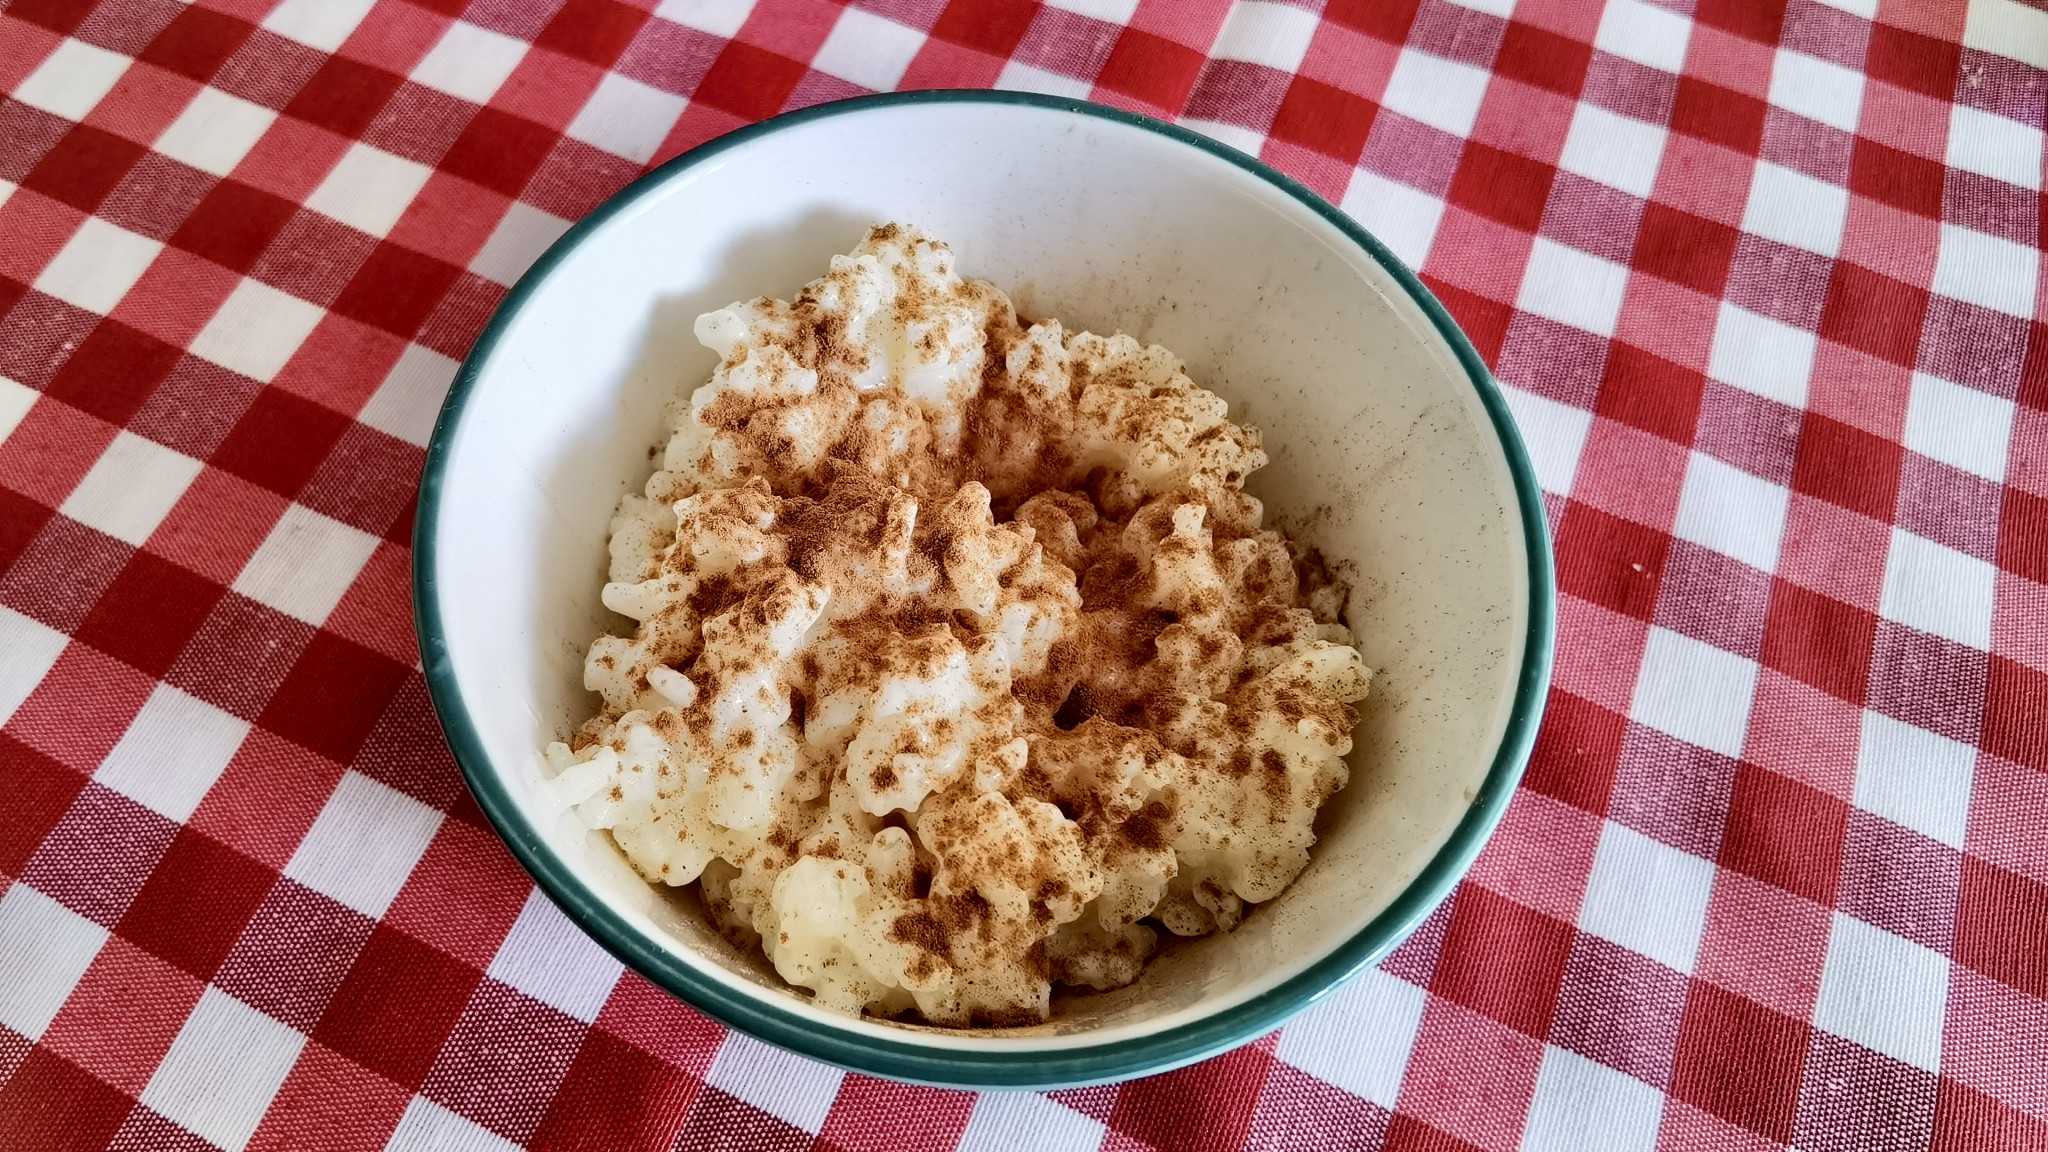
(1763, 279)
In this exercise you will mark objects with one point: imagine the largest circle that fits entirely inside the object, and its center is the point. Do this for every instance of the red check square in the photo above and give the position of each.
(122, 1017)
(51, 1104)
(2002, 927)
(1223, 1092)
(143, 104)
(268, 796)
(397, 1006)
(52, 448)
(1388, 22)
(233, 224)
(499, 151)
(176, 296)
(1502, 959)
(149, 612)
(343, 96)
(1543, 59)
(113, 372)
(1721, 1044)
(995, 28)
(1327, 119)
(1818, 640)
(333, 696)
(2014, 698)
(615, 1095)
(596, 31)
(83, 167)
(1913, 61)
(193, 906)
(1153, 71)
(43, 790)
(330, 1102)
(655, 1022)
(60, 16)
(396, 289)
(196, 42)
(1785, 833)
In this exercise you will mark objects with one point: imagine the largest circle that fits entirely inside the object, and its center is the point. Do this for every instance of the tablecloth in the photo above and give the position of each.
(1762, 281)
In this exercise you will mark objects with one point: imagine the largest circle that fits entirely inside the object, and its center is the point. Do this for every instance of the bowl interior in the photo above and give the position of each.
(1384, 456)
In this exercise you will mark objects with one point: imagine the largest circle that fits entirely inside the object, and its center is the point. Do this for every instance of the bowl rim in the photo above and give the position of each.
(996, 1067)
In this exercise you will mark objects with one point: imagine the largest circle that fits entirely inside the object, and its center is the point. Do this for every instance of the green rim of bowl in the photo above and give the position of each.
(994, 1067)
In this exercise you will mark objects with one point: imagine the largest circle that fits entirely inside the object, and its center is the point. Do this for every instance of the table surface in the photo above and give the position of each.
(1762, 279)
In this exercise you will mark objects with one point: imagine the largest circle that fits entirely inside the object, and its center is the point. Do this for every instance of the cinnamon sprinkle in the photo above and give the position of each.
(964, 630)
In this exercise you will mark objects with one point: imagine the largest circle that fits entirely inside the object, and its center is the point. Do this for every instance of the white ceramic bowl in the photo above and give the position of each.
(1392, 452)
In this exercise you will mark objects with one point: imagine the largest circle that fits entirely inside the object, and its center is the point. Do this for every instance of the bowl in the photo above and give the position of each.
(1392, 451)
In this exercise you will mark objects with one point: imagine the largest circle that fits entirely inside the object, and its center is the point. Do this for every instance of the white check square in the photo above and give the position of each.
(794, 1090)
(363, 844)
(256, 330)
(868, 50)
(520, 237)
(1734, 513)
(98, 265)
(1440, 93)
(1257, 32)
(1692, 690)
(1647, 896)
(1360, 1037)
(16, 399)
(306, 564)
(72, 80)
(1572, 287)
(29, 648)
(44, 949)
(721, 18)
(627, 118)
(172, 753)
(1987, 270)
(1817, 89)
(1793, 208)
(1243, 139)
(2008, 28)
(427, 1127)
(131, 488)
(222, 1071)
(1004, 1121)
(1937, 589)
(369, 189)
(1762, 355)
(1555, 435)
(469, 62)
(215, 131)
(551, 960)
(1884, 992)
(1405, 219)
(408, 402)
(1618, 151)
(1915, 778)
(1018, 76)
(322, 24)
(1995, 146)
(1959, 426)
(1107, 11)
(1581, 1105)
(1644, 33)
